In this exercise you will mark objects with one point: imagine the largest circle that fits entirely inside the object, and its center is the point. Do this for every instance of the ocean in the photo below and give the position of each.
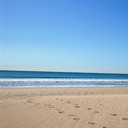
(29, 79)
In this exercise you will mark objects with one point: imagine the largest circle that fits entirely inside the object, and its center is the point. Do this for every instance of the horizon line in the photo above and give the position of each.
(65, 71)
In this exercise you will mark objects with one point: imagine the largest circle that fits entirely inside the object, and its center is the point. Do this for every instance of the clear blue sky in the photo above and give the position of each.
(64, 35)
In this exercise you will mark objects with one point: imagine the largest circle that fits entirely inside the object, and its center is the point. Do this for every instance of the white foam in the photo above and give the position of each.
(48, 82)
(63, 80)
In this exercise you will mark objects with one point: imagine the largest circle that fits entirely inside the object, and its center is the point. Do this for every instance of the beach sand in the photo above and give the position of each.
(105, 107)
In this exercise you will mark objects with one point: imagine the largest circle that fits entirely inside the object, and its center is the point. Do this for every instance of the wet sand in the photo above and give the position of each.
(64, 107)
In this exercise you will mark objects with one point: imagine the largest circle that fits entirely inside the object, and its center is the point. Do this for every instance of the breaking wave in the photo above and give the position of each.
(48, 82)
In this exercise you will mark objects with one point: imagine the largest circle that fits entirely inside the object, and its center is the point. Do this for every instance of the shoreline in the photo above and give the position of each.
(64, 91)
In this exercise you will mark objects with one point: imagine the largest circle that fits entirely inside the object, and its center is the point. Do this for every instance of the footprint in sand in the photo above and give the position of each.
(51, 106)
(77, 106)
(96, 111)
(70, 115)
(61, 112)
(76, 118)
(91, 123)
(89, 108)
(47, 105)
(124, 118)
(29, 101)
(113, 114)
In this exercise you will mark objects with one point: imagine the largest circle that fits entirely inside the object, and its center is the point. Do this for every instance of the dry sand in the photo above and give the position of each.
(64, 108)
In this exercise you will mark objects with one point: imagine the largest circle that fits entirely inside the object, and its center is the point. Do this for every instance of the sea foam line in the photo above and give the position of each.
(61, 80)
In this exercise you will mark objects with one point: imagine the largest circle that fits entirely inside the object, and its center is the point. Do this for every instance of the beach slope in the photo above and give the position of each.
(64, 107)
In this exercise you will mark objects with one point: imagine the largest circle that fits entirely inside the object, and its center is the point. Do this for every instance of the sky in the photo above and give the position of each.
(64, 35)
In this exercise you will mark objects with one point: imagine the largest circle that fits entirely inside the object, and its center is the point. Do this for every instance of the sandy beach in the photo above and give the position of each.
(105, 107)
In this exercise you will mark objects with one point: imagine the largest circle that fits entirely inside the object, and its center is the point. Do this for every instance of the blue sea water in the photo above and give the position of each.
(25, 79)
